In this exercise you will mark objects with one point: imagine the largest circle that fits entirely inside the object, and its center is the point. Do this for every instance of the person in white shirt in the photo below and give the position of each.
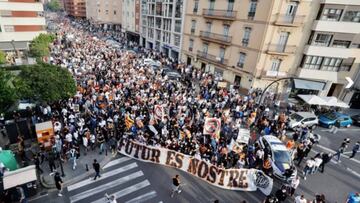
(300, 199)
(318, 161)
(68, 138)
(294, 184)
(309, 167)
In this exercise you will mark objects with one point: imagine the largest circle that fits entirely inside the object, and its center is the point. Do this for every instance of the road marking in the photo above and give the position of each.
(342, 155)
(105, 175)
(127, 190)
(143, 198)
(115, 162)
(41, 196)
(105, 187)
(353, 172)
(326, 130)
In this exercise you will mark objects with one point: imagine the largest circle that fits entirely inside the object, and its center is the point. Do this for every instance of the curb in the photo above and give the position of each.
(75, 179)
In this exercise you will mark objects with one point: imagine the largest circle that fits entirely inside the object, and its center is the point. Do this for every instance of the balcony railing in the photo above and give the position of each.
(219, 14)
(276, 74)
(211, 58)
(280, 49)
(288, 20)
(209, 36)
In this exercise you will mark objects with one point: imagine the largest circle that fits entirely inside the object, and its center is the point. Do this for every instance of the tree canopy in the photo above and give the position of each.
(54, 5)
(39, 47)
(45, 83)
(7, 91)
(2, 57)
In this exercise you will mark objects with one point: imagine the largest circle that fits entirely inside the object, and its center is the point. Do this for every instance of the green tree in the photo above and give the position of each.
(39, 47)
(2, 57)
(7, 90)
(54, 5)
(45, 83)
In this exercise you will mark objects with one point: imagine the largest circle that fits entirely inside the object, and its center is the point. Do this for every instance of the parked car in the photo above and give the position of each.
(356, 119)
(331, 119)
(299, 119)
(280, 156)
(152, 62)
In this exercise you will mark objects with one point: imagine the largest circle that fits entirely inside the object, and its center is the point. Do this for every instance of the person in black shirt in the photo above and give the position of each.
(58, 183)
(96, 167)
(175, 185)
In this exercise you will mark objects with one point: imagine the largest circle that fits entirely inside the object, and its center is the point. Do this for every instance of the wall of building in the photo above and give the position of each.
(104, 12)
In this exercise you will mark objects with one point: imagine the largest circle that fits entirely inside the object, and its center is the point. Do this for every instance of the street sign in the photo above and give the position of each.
(350, 82)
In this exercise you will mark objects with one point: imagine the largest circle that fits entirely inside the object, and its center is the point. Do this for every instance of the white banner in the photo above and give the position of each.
(232, 179)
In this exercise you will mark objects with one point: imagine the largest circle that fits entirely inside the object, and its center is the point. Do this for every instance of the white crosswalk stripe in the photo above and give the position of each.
(116, 161)
(121, 178)
(105, 175)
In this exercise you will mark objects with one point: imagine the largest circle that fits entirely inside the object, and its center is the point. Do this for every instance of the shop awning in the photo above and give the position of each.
(8, 46)
(309, 85)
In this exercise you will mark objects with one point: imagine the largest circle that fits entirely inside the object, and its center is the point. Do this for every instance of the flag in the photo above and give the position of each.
(128, 122)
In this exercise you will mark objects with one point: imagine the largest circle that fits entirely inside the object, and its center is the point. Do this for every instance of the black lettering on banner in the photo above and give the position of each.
(234, 174)
(222, 173)
(202, 170)
(128, 147)
(179, 160)
(170, 156)
(212, 174)
(155, 156)
(145, 153)
(193, 166)
(137, 148)
(243, 179)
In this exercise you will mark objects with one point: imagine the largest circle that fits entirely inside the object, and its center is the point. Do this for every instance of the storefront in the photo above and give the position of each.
(303, 86)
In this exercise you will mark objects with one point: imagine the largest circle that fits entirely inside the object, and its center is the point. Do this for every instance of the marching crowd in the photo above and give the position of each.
(116, 97)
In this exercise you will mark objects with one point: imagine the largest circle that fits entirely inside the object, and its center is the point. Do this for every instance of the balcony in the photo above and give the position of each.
(219, 14)
(211, 58)
(291, 21)
(217, 38)
(278, 49)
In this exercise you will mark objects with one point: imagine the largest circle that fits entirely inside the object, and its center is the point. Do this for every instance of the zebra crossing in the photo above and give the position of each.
(121, 177)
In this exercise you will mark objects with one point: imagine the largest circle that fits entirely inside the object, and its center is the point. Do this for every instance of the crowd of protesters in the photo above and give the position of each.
(116, 95)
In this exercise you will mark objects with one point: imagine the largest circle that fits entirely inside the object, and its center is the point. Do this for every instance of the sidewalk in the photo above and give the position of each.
(72, 176)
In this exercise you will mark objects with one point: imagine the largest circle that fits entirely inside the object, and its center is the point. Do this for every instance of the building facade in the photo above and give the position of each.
(161, 25)
(75, 8)
(131, 19)
(106, 13)
(20, 22)
(249, 43)
(332, 50)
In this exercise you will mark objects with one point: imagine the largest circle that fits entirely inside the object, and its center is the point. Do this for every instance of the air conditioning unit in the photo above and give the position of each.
(218, 58)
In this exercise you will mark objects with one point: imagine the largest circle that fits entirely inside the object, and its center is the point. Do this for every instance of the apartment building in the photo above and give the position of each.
(75, 8)
(20, 22)
(131, 19)
(106, 13)
(332, 51)
(161, 25)
(249, 43)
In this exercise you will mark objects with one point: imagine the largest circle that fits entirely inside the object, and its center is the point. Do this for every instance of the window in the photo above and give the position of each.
(221, 53)
(252, 9)
(322, 39)
(226, 30)
(196, 6)
(193, 24)
(5, 13)
(208, 26)
(106, 12)
(352, 16)
(275, 64)
(241, 62)
(177, 26)
(313, 62)
(114, 12)
(331, 64)
(230, 5)
(246, 37)
(212, 5)
(177, 40)
(9, 28)
(191, 44)
(331, 14)
(205, 48)
(341, 43)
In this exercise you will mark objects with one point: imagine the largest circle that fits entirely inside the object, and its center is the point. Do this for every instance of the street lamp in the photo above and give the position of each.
(262, 94)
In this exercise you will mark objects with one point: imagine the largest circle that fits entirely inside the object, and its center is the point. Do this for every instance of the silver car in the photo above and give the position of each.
(299, 119)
